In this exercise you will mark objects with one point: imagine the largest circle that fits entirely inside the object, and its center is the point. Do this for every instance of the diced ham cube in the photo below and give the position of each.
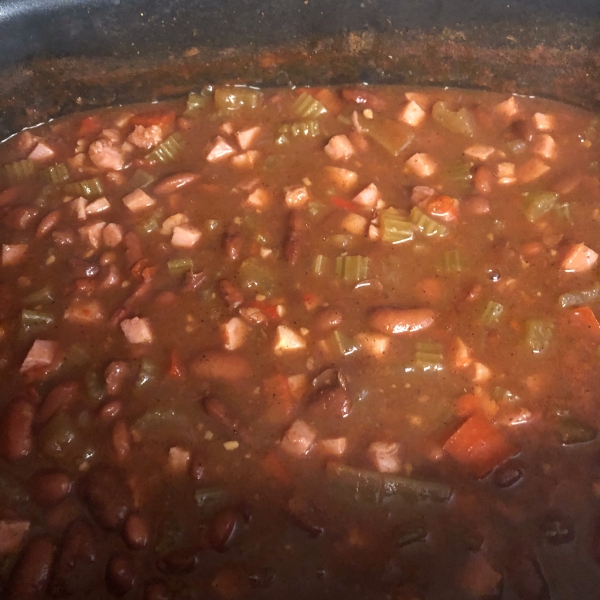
(220, 150)
(505, 173)
(138, 201)
(339, 147)
(112, 235)
(12, 533)
(334, 446)
(384, 456)
(185, 236)
(97, 206)
(79, 205)
(295, 197)
(297, 385)
(412, 114)
(355, 224)
(137, 330)
(544, 122)
(479, 152)
(227, 128)
(146, 137)
(41, 152)
(173, 221)
(544, 146)
(105, 156)
(481, 373)
(258, 199)
(460, 354)
(287, 340)
(533, 169)
(84, 312)
(421, 164)
(247, 160)
(179, 459)
(508, 109)
(578, 259)
(112, 135)
(373, 344)
(343, 179)
(423, 100)
(421, 193)
(247, 137)
(298, 439)
(368, 197)
(373, 233)
(41, 354)
(13, 254)
(92, 234)
(234, 333)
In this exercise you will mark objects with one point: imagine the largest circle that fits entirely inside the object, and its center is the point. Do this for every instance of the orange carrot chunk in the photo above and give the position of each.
(584, 318)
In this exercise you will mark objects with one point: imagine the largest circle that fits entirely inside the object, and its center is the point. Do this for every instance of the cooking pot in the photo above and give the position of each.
(59, 56)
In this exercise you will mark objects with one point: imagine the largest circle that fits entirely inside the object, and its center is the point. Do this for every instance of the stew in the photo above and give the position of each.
(302, 343)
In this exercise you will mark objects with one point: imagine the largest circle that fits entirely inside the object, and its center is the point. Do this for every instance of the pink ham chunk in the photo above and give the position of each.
(92, 234)
(137, 330)
(479, 152)
(220, 150)
(146, 137)
(384, 456)
(258, 199)
(339, 147)
(97, 206)
(368, 197)
(421, 164)
(41, 354)
(334, 446)
(508, 109)
(106, 156)
(544, 146)
(412, 114)
(112, 235)
(12, 533)
(247, 160)
(138, 201)
(296, 197)
(298, 439)
(531, 170)
(185, 236)
(84, 312)
(13, 254)
(41, 152)
(247, 137)
(233, 333)
(578, 259)
(79, 205)
(544, 122)
(343, 179)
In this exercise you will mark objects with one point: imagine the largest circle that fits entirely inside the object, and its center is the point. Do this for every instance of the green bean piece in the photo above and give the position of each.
(177, 266)
(453, 262)
(58, 173)
(426, 225)
(395, 228)
(429, 357)
(580, 298)
(88, 188)
(306, 129)
(35, 318)
(140, 179)
(572, 431)
(210, 499)
(460, 121)
(538, 204)
(20, 170)
(492, 313)
(342, 344)
(147, 373)
(236, 98)
(308, 107)
(167, 151)
(197, 101)
(152, 223)
(44, 295)
(352, 268)
(564, 212)
(538, 333)
(460, 172)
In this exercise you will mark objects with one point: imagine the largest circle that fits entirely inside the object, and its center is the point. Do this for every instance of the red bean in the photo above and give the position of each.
(397, 320)
(327, 320)
(293, 242)
(331, 400)
(16, 436)
(233, 242)
(111, 410)
(59, 398)
(120, 575)
(178, 562)
(29, 577)
(231, 295)
(20, 217)
(48, 223)
(483, 180)
(523, 129)
(157, 590)
(172, 183)
(116, 375)
(223, 528)
(477, 205)
(107, 495)
(221, 365)
(136, 532)
(121, 440)
(50, 487)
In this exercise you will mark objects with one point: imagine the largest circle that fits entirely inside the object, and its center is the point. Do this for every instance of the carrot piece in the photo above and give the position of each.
(479, 446)
(267, 309)
(276, 469)
(443, 207)
(583, 318)
(89, 125)
(164, 119)
(175, 365)
(342, 203)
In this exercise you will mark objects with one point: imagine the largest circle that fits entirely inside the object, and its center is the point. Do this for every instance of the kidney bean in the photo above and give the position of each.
(330, 400)
(63, 237)
(120, 575)
(8, 302)
(121, 440)
(29, 577)
(16, 436)
(223, 529)
(49, 488)
(172, 183)
(157, 590)
(136, 532)
(483, 179)
(133, 248)
(523, 130)
(477, 205)
(116, 375)
(111, 410)
(293, 241)
(558, 528)
(59, 398)
(62, 515)
(20, 217)
(82, 269)
(76, 569)
(178, 562)
(305, 516)
(233, 242)
(107, 495)
(48, 223)
(526, 576)
(225, 366)
(327, 320)
(230, 294)
(507, 474)
(397, 320)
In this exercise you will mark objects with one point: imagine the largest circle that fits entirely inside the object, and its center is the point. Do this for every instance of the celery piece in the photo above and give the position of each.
(429, 357)
(352, 268)
(282, 140)
(395, 228)
(152, 223)
(88, 188)
(41, 296)
(317, 210)
(538, 204)
(147, 373)
(580, 298)
(307, 107)
(538, 333)
(391, 135)
(197, 101)
(460, 121)
(460, 172)
(235, 98)
(58, 173)
(140, 179)
(564, 212)
(453, 261)
(167, 151)
(255, 275)
(492, 313)
(35, 318)
(210, 499)
(20, 170)
(343, 344)
(322, 265)
(426, 225)
(309, 129)
(177, 266)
